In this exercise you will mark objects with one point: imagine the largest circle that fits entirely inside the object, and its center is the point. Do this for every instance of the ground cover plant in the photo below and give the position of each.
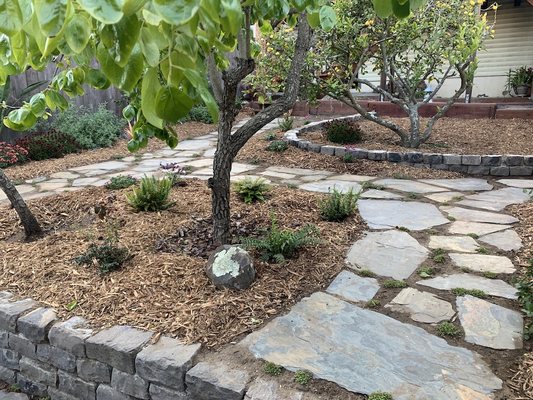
(11, 154)
(251, 190)
(343, 132)
(151, 195)
(338, 206)
(120, 182)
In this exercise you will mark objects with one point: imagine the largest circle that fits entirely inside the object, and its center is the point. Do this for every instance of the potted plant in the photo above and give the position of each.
(519, 81)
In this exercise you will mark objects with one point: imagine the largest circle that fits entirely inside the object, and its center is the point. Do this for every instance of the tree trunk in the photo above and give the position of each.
(415, 136)
(28, 220)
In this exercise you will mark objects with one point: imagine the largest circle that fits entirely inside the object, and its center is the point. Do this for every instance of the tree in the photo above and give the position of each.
(158, 52)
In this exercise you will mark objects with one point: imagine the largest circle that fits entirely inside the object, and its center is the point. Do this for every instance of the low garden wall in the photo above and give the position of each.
(473, 164)
(69, 361)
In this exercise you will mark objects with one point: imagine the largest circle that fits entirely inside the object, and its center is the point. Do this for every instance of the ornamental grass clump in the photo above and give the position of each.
(252, 190)
(151, 195)
(338, 206)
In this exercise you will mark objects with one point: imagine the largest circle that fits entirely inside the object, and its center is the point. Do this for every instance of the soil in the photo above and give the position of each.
(254, 152)
(166, 291)
(450, 135)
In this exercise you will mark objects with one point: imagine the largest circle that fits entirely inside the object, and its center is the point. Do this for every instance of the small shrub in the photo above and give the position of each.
(373, 303)
(348, 158)
(394, 284)
(343, 132)
(46, 145)
(413, 196)
(366, 273)
(370, 185)
(482, 250)
(439, 256)
(380, 396)
(286, 123)
(280, 244)
(108, 257)
(338, 206)
(120, 182)
(11, 154)
(199, 113)
(472, 292)
(278, 146)
(473, 235)
(403, 229)
(252, 190)
(490, 275)
(529, 192)
(425, 272)
(303, 377)
(270, 136)
(450, 218)
(272, 369)
(151, 195)
(447, 329)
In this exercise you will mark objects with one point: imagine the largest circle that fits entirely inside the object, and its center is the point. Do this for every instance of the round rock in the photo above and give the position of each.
(230, 267)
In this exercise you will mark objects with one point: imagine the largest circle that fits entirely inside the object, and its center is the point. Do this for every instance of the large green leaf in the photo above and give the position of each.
(106, 11)
(176, 12)
(51, 15)
(401, 10)
(20, 119)
(383, 8)
(133, 71)
(38, 104)
(121, 38)
(54, 100)
(149, 90)
(233, 15)
(314, 19)
(10, 17)
(172, 104)
(109, 67)
(149, 46)
(97, 79)
(78, 32)
(328, 18)
(132, 6)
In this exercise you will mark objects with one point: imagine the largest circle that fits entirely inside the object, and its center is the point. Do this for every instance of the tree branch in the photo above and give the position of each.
(215, 77)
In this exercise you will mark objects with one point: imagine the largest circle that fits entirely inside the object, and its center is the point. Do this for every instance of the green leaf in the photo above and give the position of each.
(106, 11)
(414, 4)
(314, 19)
(78, 32)
(51, 15)
(129, 112)
(328, 18)
(149, 90)
(97, 79)
(133, 71)
(172, 104)
(38, 104)
(121, 38)
(54, 100)
(10, 17)
(132, 6)
(400, 10)
(133, 146)
(172, 141)
(383, 8)
(232, 15)
(149, 46)
(108, 66)
(176, 12)
(20, 119)
(71, 305)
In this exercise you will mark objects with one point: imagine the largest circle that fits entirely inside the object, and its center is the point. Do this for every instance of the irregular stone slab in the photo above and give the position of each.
(201, 163)
(36, 324)
(12, 396)
(444, 197)
(379, 194)
(461, 184)
(10, 312)
(270, 390)
(328, 185)
(483, 263)
(239, 168)
(493, 287)
(496, 200)
(464, 244)
(298, 171)
(45, 186)
(478, 228)
(490, 325)
(423, 306)
(409, 186)
(352, 178)
(275, 174)
(70, 335)
(194, 145)
(207, 381)
(353, 287)
(413, 215)
(64, 175)
(391, 253)
(23, 189)
(117, 346)
(464, 214)
(365, 351)
(84, 181)
(518, 183)
(507, 240)
(107, 165)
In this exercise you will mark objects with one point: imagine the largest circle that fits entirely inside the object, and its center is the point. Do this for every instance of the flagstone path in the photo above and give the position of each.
(332, 334)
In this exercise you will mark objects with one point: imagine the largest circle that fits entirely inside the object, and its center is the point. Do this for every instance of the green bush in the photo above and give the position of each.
(91, 129)
(108, 257)
(278, 146)
(380, 396)
(280, 244)
(151, 195)
(199, 114)
(272, 369)
(343, 132)
(252, 190)
(286, 123)
(46, 145)
(302, 377)
(446, 328)
(338, 206)
(120, 182)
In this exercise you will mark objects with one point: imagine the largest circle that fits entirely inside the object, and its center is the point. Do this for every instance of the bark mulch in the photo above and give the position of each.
(451, 135)
(166, 290)
(522, 380)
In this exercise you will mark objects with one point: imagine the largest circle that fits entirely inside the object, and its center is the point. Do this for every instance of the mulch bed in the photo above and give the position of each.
(164, 289)
(450, 135)
(255, 152)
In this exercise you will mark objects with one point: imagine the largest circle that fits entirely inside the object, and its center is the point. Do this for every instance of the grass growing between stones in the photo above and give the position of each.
(374, 303)
(366, 273)
(394, 284)
(473, 235)
(380, 396)
(472, 292)
(482, 250)
(447, 329)
(303, 377)
(490, 275)
(425, 272)
(439, 256)
(272, 369)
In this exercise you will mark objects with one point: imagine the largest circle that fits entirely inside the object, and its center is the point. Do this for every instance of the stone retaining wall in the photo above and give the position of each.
(473, 164)
(69, 361)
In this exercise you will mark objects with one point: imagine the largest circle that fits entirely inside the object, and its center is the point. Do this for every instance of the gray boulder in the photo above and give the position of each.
(230, 267)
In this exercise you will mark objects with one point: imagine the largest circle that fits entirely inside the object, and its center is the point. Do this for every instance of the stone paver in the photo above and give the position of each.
(365, 351)
(477, 228)
(518, 183)
(64, 175)
(207, 381)
(409, 186)
(490, 325)
(444, 197)
(194, 145)
(496, 200)
(422, 306)
(386, 214)
(493, 287)
(352, 178)
(12, 396)
(391, 253)
(270, 390)
(507, 240)
(483, 263)
(328, 185)
(379, 194)
(465, 214)
(353, 287)
(463, 244)
(461, 184)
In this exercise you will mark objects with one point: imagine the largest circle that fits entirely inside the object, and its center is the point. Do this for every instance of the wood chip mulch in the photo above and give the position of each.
(522, 380)
(451, 135)
(167, 292)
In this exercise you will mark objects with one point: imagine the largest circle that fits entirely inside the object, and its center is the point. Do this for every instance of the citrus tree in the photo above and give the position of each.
(160, 52)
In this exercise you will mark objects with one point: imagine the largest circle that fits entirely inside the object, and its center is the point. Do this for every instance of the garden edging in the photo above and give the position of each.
(66, 360)
(473, 164)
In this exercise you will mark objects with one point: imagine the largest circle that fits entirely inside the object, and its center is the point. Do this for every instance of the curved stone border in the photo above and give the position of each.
(487, 164)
